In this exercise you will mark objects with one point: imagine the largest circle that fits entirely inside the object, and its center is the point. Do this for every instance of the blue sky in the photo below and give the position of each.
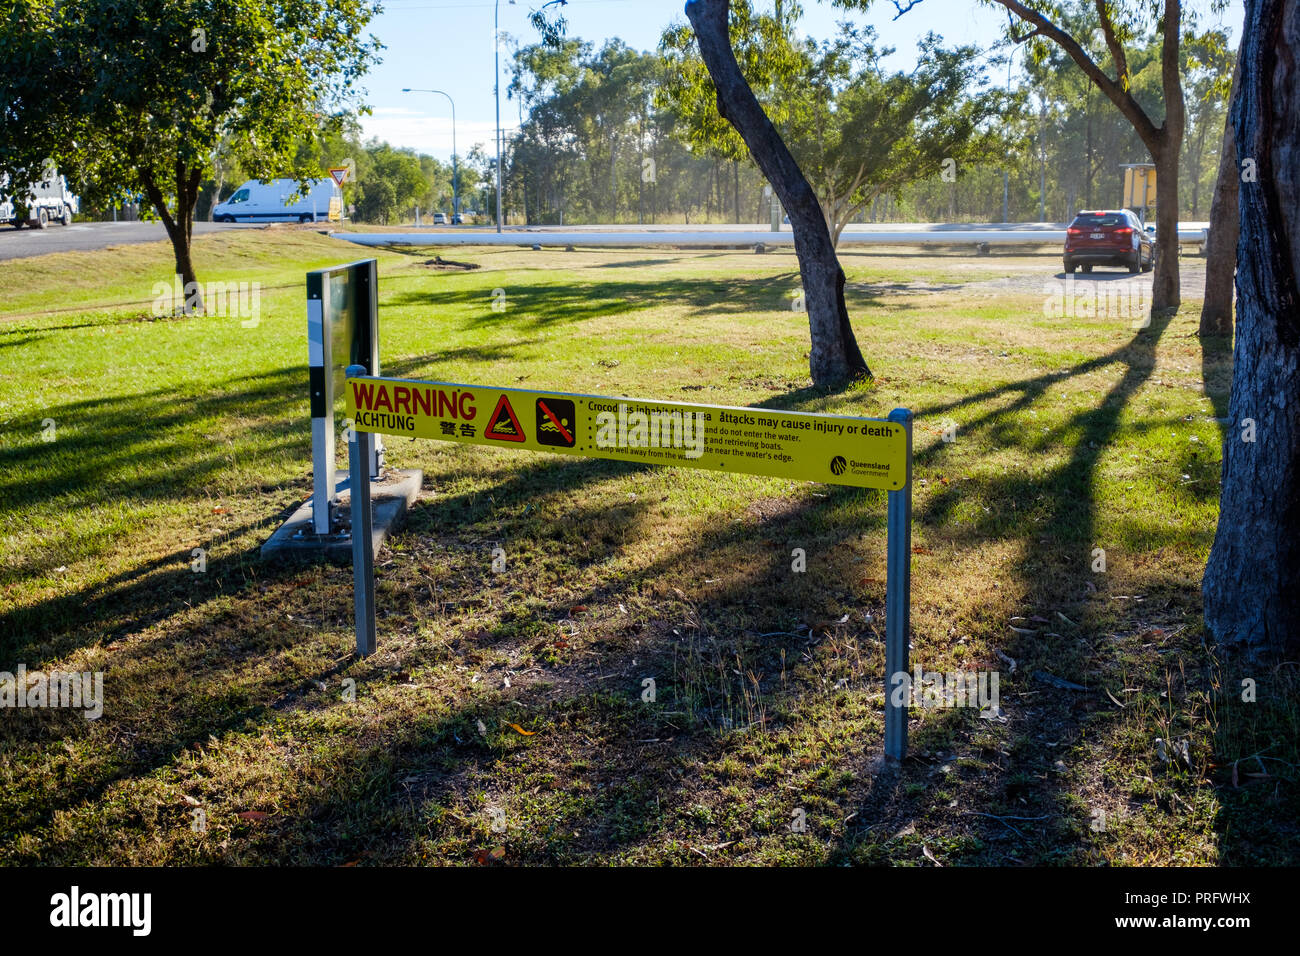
(447, 45)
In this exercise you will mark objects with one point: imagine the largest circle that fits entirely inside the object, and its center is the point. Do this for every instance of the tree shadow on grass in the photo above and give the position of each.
(412, 770)
(1216, 376)
(572, 303)
(212, 639)
(230, 691)
(144, 449)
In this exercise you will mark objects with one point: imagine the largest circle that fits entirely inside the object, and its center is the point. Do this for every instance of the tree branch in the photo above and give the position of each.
(903, 9)
(1022, 37)
(1146, 129)
(1170, 74)
(1112, 42)
(156, 197)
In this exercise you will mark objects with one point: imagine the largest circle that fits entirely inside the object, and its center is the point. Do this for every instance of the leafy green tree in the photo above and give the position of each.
(1209, 59)
(139, 97)
(861, 133)
(855, 131)
(437, 191)
(393, 182)
(830, 130)
(1038, 24)
(772, 59)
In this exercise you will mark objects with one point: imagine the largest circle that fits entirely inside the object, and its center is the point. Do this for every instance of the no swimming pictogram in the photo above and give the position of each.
(555, 422)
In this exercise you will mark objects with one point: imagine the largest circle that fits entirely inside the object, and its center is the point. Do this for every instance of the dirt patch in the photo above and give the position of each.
(1036, 276)
(438, 262)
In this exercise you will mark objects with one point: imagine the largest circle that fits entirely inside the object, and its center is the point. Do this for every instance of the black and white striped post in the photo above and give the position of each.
(342, 329)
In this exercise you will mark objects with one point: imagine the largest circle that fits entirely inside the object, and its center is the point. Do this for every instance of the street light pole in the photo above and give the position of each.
(455, 165)
(496, 89)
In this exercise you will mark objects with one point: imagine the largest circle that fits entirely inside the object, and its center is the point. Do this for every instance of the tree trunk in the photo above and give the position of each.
(834, 357)
(735, 177)
(1165, 291)
(1252, 581)
(180, 230)
(1087, 166)
(613, 181)
(216, 195)
(1196, 171)
(1166, 148)
(1221, 243)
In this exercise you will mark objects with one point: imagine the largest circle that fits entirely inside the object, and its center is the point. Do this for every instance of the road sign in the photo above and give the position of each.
(841, 450)
(863, 452)
(339, 174)
(1139, 185)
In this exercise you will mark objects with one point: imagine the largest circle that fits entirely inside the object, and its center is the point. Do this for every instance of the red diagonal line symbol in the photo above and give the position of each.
(547, 412)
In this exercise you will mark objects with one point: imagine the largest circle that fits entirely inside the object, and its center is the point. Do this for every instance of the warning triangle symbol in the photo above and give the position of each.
(503, 425)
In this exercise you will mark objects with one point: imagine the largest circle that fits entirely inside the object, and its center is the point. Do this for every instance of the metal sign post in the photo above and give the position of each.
(898, 599)
(363, 557)
(841, 450)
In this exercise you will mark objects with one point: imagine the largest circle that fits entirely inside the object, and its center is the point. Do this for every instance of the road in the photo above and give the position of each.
(950, 234)
(23, 243)
(82, 236)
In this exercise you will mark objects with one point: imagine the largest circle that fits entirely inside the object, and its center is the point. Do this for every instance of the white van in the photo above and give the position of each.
(277, 201)
(48, 201)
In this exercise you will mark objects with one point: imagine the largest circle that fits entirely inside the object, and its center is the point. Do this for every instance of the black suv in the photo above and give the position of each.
(1112, 237)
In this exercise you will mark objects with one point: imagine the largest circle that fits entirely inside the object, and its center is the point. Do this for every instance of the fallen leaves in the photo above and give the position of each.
(489, 857)
(519, 730)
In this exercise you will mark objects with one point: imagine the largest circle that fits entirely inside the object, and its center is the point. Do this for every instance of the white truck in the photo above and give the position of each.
(277, 201)
(48, 200)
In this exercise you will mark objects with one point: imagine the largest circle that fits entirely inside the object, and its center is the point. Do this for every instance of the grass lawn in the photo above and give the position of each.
(502, 719)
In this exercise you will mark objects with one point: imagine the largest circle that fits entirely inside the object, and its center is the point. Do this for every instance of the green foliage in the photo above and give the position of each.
(131, 98)
(1050, 138)
(394, 181)
(856, 131)
(773, 60)
(595, 143)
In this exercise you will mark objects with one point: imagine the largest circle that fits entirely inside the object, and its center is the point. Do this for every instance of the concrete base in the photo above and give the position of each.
(390, 496)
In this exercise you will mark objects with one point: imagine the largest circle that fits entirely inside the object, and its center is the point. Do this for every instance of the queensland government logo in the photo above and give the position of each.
(838, 464)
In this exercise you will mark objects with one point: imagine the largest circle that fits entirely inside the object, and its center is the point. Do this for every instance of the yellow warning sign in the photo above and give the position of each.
(863, 452)
(1139, 185)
